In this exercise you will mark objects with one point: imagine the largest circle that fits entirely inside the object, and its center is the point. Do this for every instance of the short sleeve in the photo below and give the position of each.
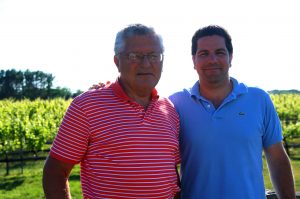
(272, 125)
(72, 138)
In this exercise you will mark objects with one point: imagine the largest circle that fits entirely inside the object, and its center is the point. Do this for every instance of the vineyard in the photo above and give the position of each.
(29, 125)
(288, 109)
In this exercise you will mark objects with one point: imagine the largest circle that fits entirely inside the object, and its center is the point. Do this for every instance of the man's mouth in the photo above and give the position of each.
(211, 68)
(144, 74)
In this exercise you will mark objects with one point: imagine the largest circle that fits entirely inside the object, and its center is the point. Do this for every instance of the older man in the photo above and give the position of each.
(124, 136)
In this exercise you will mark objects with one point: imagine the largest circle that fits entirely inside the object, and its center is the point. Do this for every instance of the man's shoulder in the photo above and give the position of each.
(257, 91)
(165, 107)
(243, 89)
(256, 94)
(93, 95)
(179, 95)
(164, 101)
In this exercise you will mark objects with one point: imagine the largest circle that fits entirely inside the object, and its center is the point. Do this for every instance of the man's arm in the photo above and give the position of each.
(177, 196)
(280, 171)
(55, 179)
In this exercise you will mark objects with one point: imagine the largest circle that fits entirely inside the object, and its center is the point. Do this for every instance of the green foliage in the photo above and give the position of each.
(293, 91)
(28, 125)
(288, 109)
(30, 85)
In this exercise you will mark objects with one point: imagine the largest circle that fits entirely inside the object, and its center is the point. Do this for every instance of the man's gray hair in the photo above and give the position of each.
(132, 30)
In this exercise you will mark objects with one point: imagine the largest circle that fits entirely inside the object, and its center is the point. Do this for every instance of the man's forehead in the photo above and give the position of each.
(142, 41)
(138, 38)
(211, 42)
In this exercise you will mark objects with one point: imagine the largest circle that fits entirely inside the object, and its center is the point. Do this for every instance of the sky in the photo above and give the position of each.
(74, 40)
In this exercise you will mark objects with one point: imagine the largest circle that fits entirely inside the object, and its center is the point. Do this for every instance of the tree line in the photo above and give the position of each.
(31, 85)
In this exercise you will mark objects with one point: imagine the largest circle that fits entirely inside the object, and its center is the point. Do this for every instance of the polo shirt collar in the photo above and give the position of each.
(119, 92)
(238, 89)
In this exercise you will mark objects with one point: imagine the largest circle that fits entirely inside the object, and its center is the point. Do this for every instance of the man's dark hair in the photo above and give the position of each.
(210, 31)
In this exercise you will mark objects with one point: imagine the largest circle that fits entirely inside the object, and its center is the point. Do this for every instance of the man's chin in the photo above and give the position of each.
(147, 83)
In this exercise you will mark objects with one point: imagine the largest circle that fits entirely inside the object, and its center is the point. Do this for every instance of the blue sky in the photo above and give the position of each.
(74, 40)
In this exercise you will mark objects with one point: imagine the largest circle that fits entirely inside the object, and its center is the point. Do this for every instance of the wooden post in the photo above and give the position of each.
(7, 163)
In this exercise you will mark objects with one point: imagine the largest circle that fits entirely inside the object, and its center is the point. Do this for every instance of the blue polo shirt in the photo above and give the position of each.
(221, 149)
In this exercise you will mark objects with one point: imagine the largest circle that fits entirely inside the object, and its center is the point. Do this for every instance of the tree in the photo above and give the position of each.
(11, 82)
(60, 92)
(37, 84)
(30, 85)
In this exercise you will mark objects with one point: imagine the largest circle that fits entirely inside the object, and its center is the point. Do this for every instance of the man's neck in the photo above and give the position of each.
(142, 96)
(216, 93)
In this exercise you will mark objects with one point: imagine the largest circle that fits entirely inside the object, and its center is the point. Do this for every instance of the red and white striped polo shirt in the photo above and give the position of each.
(124, 150)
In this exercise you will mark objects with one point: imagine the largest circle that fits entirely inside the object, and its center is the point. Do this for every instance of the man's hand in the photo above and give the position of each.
(99, 85)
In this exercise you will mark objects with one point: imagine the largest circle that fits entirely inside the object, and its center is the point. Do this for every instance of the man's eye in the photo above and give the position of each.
(202, 54)
(153, 56)
(221, 52)
(132, 56)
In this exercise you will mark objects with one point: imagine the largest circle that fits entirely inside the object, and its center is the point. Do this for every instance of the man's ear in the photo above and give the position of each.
(194, 62)
(116, 60)
(230, 59)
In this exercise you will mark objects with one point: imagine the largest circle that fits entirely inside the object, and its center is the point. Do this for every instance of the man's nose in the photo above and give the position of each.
(145, 61)
(212, 58)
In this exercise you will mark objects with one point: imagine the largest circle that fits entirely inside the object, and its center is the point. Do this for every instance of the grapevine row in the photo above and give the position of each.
(29, 125)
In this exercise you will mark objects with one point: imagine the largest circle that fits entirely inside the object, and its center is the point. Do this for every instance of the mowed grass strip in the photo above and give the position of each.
(29, 184)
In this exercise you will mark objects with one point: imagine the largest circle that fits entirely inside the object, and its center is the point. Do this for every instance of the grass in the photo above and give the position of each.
(295, 161)
(296, 172)
(28, 185)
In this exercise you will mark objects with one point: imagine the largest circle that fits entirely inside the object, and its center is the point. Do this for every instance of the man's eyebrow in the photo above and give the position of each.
(221, 49)
(202, 50)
